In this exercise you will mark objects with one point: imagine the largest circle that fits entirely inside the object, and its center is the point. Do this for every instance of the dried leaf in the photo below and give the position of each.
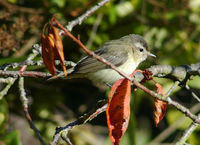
(159, 106)
(58, 49)
(118, 110)
(52, 48)
(47, 53)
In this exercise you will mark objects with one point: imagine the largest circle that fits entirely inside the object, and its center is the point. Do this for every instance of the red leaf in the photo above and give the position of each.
(118, 110)
(58, 49)
(159, 106)
(47, 53)
(52, 48)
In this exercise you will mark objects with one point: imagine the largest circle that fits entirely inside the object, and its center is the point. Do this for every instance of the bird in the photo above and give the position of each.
(126, 53)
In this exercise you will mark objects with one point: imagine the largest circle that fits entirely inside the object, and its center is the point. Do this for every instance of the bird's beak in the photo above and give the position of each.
(150, 54)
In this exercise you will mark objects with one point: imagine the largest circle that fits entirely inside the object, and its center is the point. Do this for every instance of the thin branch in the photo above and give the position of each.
(33, 63)
(169, 131)
(187, 133)
(181, 73)
(7, 80)
(193, 94)
(81, 18)
(98, 109)
(24, 101)
(10, 82)
(184, 110)
(17, 74)
(172, 88)
(94, 30)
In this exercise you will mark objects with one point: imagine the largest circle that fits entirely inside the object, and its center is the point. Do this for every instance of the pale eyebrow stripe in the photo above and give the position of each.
(139, 45)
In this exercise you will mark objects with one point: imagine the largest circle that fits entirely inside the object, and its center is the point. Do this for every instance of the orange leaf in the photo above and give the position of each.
(159, 106)
(118, 110)
(58, 49)
(47, 53)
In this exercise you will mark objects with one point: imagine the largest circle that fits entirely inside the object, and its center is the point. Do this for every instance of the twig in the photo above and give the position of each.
(187, 133)
(24, 101)
(32, 63)
(184, 110)
(17, 74)
(81, 18)
(10, 82)
(98, 109)
(2, 80)
(172, 88)
(181, 73)
(169, 131)
(94, 30)
(193, 94)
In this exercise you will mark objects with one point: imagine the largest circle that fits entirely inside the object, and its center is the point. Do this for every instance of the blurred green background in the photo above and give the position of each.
(172, 30)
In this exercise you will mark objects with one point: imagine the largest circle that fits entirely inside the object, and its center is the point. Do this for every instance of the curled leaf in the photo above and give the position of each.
(58, 49)
(47, 53)
(52, 48)
(159, 106)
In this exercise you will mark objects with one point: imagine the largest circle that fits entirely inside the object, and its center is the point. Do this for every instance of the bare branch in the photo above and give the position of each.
(33, 63)
(169, 131)
(10, 82)
(172, 88)
(187, 133)
(17, 74)
(24, 101)
(193, 94)
(94, 30)
(181, 73)
(98, 109)
(80, 19)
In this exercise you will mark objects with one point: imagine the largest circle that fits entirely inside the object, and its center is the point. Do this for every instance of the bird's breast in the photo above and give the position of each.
(110, 76)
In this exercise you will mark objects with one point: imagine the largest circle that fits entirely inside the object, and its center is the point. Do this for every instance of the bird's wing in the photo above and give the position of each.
(117, 56)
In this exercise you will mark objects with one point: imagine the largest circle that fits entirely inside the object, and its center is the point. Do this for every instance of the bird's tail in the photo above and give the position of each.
(61, 75)
(70, 75)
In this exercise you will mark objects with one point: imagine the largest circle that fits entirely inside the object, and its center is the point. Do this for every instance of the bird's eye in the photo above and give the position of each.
(141, 49)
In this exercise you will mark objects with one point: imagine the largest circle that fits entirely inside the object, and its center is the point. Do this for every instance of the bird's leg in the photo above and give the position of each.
(109, 85)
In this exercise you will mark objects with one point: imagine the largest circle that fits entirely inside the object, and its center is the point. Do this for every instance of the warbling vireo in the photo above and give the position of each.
(125, 53)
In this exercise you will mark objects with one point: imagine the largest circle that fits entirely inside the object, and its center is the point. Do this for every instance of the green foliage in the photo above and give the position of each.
(3, 115)
(12, 138)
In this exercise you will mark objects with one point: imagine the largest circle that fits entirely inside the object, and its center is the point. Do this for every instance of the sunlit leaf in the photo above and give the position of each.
(118, 110)
(47, 53)
(58, 48)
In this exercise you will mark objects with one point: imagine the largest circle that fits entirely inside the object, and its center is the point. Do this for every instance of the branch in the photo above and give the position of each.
(193, 94)
(94, 30)
(181, 73)
(24, 101)
(171, 129)
(23, 97)
(33, 63)
(187, 133)
(10, 82)
(80, 19)
(17, 74)
(98, 109)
